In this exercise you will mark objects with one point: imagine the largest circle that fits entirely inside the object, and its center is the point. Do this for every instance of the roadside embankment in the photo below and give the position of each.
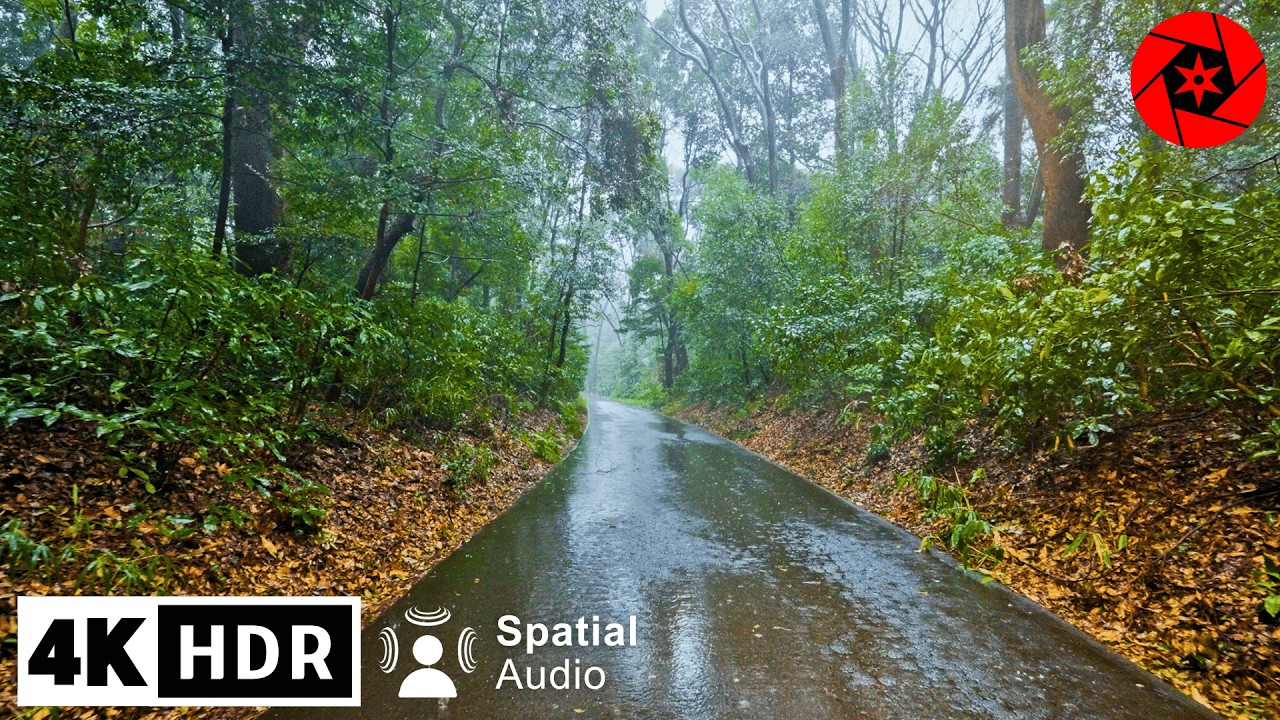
(1152, 542)
(366, 513)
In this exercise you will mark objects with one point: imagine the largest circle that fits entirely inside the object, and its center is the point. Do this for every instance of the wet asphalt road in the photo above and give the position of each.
(756, 595)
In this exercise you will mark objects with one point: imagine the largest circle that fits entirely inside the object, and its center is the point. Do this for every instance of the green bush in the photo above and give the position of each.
(448, 359)
(545, 446)
(175, 356)
(844, 333)
(21, 554)
(1177, 304)
(964, 527)
(878, 452)
(880, 446)
(572, 416)
(1267, 583)
(107, 573)
(466, 466)
(944, 448)
(302, 505)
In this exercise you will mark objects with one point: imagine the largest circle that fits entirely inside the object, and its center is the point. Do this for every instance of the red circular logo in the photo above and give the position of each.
(1198, 79)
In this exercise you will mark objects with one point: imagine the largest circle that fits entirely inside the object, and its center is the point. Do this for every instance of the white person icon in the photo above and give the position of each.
(427, 682)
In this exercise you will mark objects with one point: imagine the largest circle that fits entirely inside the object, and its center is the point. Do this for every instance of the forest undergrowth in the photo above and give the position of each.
(1148, 541)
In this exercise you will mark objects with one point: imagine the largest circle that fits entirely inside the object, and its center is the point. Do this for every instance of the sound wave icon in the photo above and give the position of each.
(466, 660)
(439, 616)
(390, 650)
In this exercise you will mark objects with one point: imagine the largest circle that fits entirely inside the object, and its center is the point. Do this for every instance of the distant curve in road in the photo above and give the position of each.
(757, 594)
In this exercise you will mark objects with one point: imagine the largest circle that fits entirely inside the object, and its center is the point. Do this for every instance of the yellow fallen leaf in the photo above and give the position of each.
(1195, 695)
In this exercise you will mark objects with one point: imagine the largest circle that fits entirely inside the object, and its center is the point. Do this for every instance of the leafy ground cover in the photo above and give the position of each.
(370, 514)
(1155, 541)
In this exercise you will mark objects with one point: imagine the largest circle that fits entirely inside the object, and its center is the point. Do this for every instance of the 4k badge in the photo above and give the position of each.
(1198, 79)
(205, 651)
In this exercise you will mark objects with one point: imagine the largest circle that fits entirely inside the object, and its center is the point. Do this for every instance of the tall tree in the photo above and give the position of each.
(837, 45)
(1011, 187)
(704, 57)
(264, 51)
(1066, 212)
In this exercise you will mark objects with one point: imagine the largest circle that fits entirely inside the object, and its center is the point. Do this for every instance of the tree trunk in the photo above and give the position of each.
(224, 172)
(1011, 193)
(593, 377)
(564, 329)
(770, 128)
(257, 204)
(706, 63)
(176, 22)
(837, 53)
(668, 363)
(86, 218)
(568, 293)
(1033, 202)
(675, 355)
(68, 22)
(390, 233)
(554, 327)
(1066, 214)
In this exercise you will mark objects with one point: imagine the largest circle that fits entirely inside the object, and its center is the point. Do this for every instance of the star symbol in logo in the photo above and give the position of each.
(1198, 79)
